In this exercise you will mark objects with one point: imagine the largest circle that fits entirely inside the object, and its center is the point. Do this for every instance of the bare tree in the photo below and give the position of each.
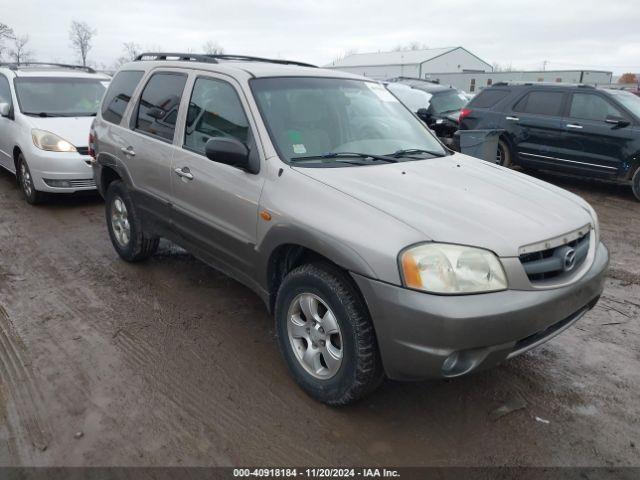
(212, 48)
(19, 52)
(497, 67)
(5, 33)
(81, 35)
(345, 54)
(410, 47)
(132, 50)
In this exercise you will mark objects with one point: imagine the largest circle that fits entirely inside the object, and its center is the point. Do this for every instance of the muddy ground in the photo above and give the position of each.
(172, 363)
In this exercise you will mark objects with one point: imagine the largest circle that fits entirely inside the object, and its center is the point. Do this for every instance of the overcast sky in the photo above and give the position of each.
(598, 34)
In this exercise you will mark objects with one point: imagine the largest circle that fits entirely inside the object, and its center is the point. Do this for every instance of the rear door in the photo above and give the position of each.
(215, 206)
(594, 147)
(536, 124)
(147, 147)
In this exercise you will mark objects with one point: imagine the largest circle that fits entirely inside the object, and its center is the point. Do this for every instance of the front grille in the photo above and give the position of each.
(557, 261)
(83, 150)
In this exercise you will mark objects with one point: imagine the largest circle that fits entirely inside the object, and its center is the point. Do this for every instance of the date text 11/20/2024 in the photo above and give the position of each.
(316, 472)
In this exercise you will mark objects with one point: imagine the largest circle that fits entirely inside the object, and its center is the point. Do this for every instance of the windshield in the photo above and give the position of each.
(449, 101)
(309, 117)
(628, 99)
(51, 96)
(414, 99)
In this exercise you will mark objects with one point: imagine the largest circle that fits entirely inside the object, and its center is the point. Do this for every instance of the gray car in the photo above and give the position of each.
(378, 251)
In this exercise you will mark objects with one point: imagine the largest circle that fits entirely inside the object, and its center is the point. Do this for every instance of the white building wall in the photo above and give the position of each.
(474, 82)
(455, 61)
(382, 72)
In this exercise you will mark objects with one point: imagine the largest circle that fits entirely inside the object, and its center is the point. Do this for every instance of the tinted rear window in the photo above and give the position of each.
(159, 102)
(540, 103)
(119, 94)
(488, 98)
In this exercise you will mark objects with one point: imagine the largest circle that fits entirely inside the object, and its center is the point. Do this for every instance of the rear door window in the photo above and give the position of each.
(488, 98)
(587, 106)
(541, 103)
(215, 110)
(119, 94)
(159, 103)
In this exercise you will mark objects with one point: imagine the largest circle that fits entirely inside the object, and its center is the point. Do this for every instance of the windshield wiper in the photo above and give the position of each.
(412, 151)
(340, 155)
(42, 114)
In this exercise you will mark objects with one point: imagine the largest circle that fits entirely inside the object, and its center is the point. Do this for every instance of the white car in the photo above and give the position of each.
(46, 112)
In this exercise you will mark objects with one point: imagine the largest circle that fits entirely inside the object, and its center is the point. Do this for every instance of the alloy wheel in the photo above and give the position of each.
(26, 180)
(315, 336)
(120, 222)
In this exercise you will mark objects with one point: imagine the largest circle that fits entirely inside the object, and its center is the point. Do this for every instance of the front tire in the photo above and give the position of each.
(25, 182)
(326, 335)
(125, 227)
(635, 184)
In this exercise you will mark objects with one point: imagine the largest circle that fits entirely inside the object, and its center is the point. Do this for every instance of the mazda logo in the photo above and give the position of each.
(569, 259)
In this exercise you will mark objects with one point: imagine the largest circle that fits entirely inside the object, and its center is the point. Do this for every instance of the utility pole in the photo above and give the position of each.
(544, 65)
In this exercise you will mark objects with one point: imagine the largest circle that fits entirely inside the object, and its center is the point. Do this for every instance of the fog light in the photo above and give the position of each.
(57, 183)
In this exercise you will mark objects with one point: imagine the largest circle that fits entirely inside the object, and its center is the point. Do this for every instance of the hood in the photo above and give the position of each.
(460, 199)
(74, 130)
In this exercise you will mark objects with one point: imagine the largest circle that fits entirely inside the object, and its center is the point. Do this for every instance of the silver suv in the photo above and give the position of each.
(378, 251)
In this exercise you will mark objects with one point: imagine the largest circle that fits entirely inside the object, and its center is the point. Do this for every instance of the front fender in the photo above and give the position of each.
(321, 243)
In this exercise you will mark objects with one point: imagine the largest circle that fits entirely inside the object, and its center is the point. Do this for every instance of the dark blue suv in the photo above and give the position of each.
(576, 129)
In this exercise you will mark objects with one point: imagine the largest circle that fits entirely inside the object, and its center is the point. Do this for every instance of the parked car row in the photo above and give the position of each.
(379, 251)
(575, 129)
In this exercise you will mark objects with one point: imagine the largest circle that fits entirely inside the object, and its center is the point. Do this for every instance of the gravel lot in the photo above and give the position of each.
(172, 363)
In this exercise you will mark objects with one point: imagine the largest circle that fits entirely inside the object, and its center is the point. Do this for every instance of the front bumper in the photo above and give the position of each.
(424, 336)
(60, 172)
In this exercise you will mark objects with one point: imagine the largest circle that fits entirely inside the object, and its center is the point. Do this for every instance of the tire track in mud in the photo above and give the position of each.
(22, 387)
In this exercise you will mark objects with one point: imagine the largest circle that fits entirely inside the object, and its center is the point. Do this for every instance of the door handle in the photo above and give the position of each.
(512, 119)
(184, 172)
(574, 125)
(128, 151)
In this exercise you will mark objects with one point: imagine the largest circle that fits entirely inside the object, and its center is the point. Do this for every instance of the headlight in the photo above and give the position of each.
(451, 269)
(596, 223)
(48, 141)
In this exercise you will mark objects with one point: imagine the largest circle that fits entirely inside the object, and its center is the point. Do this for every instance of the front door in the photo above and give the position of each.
(215, 206)
(8, 128)
(595, 147)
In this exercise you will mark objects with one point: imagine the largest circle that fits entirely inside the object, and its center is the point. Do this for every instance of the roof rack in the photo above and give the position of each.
(529, 83)
(207, 58)
(17, 66)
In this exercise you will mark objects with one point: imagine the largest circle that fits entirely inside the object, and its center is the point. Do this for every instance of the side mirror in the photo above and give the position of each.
(616, 121)
(157, 113)
(5, 109)
(230, 152)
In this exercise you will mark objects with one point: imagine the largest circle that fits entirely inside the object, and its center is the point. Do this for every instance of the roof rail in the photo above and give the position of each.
(17, 66)
(529, 83)
(426, 80)
(213, 58)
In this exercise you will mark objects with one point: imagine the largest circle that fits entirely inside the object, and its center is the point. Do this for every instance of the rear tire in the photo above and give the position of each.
(344, 365)
(125, 227)
(635, 184)
(504, 155)
(25, 182)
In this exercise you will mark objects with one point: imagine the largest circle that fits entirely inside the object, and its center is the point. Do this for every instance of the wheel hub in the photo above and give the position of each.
(120, 222)
(315, 336)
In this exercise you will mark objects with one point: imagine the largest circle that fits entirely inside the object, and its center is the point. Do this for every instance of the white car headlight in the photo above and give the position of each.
(451, 269)
(48, 141)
